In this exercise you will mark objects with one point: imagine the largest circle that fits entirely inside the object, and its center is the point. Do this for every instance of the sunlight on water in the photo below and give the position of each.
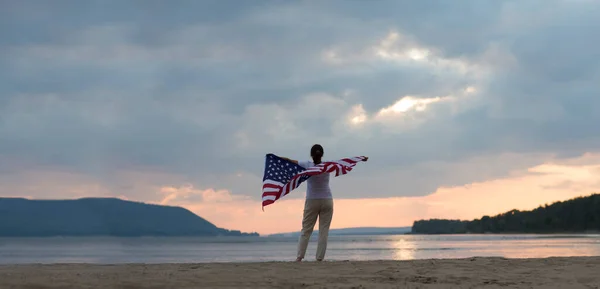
(404, 250)
(259, 249)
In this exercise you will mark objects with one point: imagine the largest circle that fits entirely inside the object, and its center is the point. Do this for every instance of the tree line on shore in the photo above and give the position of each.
(578, 215)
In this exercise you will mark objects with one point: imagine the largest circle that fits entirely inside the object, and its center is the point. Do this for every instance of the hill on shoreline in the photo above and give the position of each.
(578, 215)
(21, 217)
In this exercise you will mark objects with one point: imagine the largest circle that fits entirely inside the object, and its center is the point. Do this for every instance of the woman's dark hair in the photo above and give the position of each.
(316, 152)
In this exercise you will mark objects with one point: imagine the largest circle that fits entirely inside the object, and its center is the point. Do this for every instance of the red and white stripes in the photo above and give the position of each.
(273, 190)
(340, 167)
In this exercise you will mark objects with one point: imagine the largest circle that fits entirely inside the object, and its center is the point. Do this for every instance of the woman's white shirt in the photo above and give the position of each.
(317, 186)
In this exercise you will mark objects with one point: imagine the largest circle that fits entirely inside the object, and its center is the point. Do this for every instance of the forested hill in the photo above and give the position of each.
(100, 217)
(577, 215)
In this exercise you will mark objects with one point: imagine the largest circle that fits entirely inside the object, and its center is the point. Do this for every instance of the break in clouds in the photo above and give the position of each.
(436, 93)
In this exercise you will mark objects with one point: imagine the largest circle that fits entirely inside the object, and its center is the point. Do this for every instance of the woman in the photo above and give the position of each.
(318, 203)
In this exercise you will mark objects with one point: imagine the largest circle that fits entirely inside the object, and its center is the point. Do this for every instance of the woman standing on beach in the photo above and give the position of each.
(318, 203)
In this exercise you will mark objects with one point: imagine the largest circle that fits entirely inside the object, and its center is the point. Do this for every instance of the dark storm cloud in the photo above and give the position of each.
(202, 88)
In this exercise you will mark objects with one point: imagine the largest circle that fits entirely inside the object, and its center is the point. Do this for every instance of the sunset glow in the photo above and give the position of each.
(464, 109)
(523, 192)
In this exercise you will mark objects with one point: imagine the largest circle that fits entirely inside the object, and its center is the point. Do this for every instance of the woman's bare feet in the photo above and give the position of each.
(298, 259)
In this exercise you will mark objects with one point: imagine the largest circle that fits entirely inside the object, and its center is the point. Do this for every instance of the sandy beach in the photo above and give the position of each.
(576, 272)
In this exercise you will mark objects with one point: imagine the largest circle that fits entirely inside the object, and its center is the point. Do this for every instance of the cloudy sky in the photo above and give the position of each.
(465, 108)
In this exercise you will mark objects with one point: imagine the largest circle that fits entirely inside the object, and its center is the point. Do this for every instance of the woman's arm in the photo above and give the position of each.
(293, 161)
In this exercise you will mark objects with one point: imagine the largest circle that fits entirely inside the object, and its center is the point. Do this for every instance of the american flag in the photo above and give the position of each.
(282, 176)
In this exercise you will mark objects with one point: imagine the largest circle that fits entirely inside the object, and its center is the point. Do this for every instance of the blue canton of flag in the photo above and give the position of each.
(280, 178)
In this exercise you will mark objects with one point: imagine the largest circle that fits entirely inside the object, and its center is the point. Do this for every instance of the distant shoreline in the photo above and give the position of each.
(577, 215)
(21, 217)
(357, 231)
(315, 233)
(511, 233)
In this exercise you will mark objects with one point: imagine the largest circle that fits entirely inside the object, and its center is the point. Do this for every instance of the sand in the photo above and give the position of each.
(576, 272)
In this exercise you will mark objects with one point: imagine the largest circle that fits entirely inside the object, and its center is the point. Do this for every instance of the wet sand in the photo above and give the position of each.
(572, 272)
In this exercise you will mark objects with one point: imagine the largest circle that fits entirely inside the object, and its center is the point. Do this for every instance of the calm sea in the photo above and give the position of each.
(259, 249)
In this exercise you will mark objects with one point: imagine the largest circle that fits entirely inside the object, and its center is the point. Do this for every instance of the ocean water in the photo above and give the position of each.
(109, 250)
